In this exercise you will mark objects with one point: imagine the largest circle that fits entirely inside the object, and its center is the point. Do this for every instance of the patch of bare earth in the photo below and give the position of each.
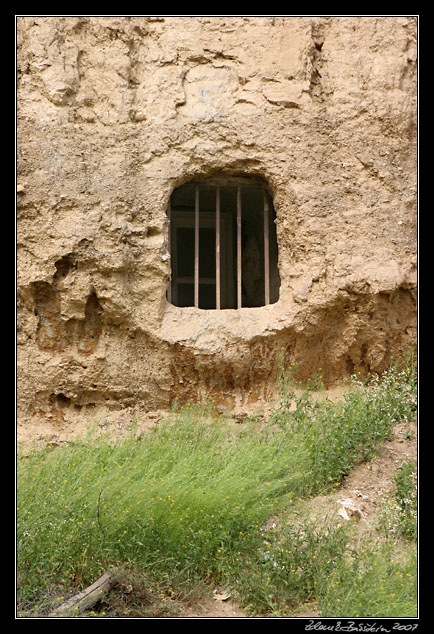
(219, 606)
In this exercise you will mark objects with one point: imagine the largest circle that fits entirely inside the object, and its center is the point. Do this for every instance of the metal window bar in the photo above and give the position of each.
(169, 214)
(239, 272)
(196, 248)
(266, 251)
(217, 248)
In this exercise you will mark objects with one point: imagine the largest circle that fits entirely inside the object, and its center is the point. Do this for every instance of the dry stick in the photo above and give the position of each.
(121, 233)
(98, 517)
(86, 598)
(87, 546)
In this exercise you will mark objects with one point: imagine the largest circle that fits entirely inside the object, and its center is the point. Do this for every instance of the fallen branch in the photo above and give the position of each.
(86, 598)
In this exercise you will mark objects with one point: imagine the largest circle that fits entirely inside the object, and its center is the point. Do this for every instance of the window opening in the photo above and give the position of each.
(223, 245)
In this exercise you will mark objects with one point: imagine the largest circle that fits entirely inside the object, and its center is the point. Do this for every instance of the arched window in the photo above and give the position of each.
(223, 245)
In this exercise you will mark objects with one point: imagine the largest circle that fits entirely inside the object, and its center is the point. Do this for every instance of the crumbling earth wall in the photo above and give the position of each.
(113, 113)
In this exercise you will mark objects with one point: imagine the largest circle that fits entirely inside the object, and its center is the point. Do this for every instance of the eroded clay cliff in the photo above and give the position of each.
(116, 112)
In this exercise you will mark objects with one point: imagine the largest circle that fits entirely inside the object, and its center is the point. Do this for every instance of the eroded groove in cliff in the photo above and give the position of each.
(54, 333)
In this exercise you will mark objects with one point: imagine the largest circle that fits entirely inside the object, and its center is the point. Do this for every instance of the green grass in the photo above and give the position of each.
(398, 515)
(287, 568)
(297, 565)
(406, 497)
(373, 583)
(186, 503)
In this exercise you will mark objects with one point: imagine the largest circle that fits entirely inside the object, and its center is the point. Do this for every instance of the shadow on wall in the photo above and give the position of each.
(353, 334)
(53, 333)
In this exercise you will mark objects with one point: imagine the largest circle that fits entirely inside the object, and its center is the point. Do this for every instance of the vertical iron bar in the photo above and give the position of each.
(169, 214)
(217, 248)
(266, 251)
(238, 247)
(196, 248)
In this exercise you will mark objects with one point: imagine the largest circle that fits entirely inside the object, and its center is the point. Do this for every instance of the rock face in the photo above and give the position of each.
(114, 113)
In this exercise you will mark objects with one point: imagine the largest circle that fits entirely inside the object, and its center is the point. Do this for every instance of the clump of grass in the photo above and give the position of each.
(289, 564)
(337, 435)
(406, 497)
(371, 583)
(185, 503)
(313, 563)
(182, 501)
(398, 516)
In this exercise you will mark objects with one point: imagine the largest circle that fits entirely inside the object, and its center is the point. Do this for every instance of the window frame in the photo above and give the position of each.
(224, 260)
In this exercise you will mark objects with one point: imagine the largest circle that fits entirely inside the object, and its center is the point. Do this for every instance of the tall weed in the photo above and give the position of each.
(290, 564)
(337, 435)
(371, 583)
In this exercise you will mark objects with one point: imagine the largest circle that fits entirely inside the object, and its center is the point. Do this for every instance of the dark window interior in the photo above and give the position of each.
(254, 250)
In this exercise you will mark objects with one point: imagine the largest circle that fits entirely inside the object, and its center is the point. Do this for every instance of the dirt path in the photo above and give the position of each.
(365, 485)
